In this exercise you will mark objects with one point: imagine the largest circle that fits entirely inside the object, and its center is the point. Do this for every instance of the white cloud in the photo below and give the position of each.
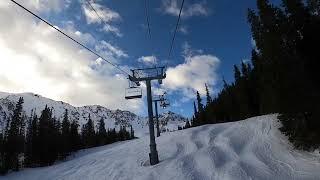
(103, 15)
(172, 7)
(110, 51)
(193, 74)
(245, 61)
(49, 64)
(187, 51)
(85, 38)
(112, 29)
(183, 29)
(44, 5)
(148, 60)
(106, 14)
(158, 90)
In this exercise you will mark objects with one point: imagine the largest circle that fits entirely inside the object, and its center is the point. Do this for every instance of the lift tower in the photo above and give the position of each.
(147, 75)
(162, 101)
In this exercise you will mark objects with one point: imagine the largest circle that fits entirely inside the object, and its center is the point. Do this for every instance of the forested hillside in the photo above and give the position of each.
(281, 77)
(37, 131)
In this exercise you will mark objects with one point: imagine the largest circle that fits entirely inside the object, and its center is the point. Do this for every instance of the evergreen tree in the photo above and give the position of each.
(35, 143)
(15, 138)
(201, 116)
(102, 133)
(237, 73)
(3, 168)
(131, 133)
(209, 99)
(200, 105)
(314, 7)
(187, 125)
(75, 141)
(55, 140)
(29, 141)
(195, 116)
(113, 135)
(45, 137)
(65, 135)
(88, 134)
(209, 113)
(121, 135)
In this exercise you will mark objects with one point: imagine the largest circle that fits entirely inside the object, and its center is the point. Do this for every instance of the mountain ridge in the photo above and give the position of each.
(169, 121)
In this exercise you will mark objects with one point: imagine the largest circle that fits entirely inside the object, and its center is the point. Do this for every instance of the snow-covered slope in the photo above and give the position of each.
(249, 149)
(169, 120)
(113, 118)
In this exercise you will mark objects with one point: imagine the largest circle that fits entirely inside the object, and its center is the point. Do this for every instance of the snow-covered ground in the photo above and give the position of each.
(249, 149)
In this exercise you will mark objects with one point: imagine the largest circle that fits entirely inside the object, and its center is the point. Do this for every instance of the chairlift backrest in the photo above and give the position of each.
(133, 93)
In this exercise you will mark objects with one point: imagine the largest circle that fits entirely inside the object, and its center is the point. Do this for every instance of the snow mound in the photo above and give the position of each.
(249, 149)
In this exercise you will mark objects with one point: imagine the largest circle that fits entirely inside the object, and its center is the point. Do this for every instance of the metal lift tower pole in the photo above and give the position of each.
(147, 75)
(153, 155)
(157, 118)
(163, 104)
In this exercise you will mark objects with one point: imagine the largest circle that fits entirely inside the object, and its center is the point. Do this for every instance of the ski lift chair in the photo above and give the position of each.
(133, 93)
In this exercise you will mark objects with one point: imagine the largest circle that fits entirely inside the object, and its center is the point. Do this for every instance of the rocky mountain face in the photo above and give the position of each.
(169, 121)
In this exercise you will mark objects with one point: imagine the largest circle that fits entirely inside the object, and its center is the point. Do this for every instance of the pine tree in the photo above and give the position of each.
(245, 70)
(201, 116)
(187, 125)
(102, 133)
(35, 143)
(3, 169)
(88, 134)
(237, 74)
(29, 140)
(131, 133)
(55, 140)
(200, 105)
(15, 138)
(121, 134)
(209, 99)
(75, 141)
(65, 135)
(209, 112)
(44, 138)
(314, 7)
(195, 116)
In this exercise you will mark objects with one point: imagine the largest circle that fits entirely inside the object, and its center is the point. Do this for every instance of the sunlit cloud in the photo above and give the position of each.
(47, 63)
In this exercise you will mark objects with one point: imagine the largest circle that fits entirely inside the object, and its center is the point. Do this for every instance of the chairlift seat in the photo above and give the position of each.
(133, 93)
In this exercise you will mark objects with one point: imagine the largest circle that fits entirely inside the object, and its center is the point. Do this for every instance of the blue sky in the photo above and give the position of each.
(213, 32)
(224, 32)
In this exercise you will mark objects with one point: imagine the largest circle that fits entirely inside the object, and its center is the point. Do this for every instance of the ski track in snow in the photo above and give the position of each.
(249, 149)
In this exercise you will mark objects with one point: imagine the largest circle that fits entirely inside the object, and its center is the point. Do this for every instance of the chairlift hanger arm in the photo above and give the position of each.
(140, 69)
(148, 74)
(134, 79)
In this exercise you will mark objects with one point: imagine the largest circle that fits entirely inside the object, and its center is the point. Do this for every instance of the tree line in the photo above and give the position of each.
(282, 76)
(41, 141)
